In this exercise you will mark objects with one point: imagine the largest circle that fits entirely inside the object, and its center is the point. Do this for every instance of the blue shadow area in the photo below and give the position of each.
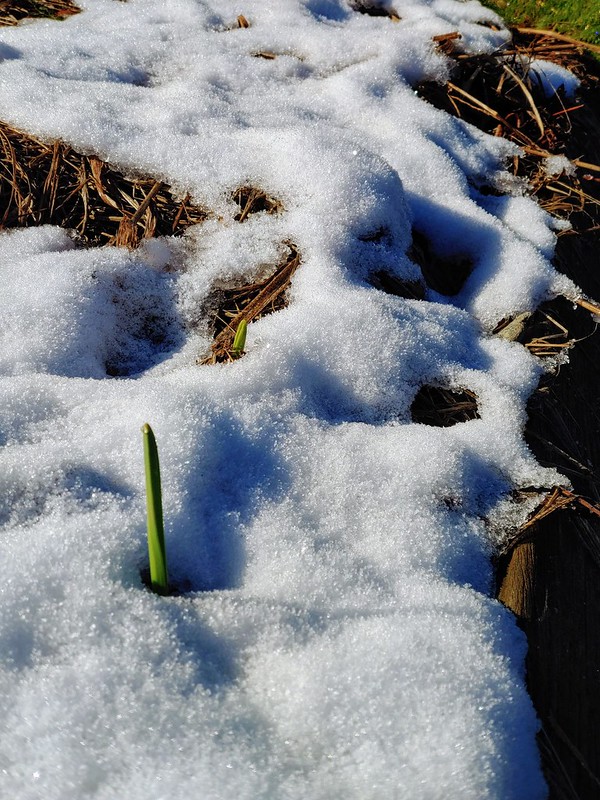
(455, 235)
(214, 657)
(231, 473)
(8, 53)
(85, 484)
(465, 558)
(24, 501)
(330, 10)
(326, 397)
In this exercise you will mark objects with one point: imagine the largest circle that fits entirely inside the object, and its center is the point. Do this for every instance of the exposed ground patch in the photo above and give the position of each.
(445, 275)
(251, 200)
(249, 302)
(546, 332)
(443, 407)
(549, 574)
(374, 9)
(503, 95)
(13, 11)
(50, 183)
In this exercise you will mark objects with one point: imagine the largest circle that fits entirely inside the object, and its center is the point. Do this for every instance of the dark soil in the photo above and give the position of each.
(552, 579)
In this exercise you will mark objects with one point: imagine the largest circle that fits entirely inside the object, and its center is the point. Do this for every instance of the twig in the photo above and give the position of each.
(561, 36)
(528, 97)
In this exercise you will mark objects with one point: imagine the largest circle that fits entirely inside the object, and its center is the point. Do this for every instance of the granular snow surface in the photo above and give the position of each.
(337, 637)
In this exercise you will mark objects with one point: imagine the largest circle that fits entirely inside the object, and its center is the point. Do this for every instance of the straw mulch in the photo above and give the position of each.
(252, 200)
(13, 11)
(443, 407)
(549, 572)
(248, 302)
(50, 183)
(501, 95)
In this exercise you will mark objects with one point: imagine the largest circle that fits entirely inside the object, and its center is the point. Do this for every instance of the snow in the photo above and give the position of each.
(554, 78)
(338, 637)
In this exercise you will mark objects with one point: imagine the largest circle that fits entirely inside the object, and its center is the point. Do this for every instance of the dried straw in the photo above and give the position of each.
(13, 11)
(443, 407)
(50, 183)
(498, 93)
(249, 302)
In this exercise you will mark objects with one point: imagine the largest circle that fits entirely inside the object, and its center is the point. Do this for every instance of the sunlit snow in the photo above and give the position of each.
(338, 636)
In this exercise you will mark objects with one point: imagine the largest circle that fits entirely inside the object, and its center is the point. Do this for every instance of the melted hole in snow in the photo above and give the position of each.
(410, 290)
(252, 201)
(175, 589)
(546, 332)
(484, 188)
(442, 407)
(374, 9)
(444, 275)
(51, 184)
(228, 306)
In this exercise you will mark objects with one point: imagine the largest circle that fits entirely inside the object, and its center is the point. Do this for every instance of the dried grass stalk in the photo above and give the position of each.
(578, 43)
(252, 201)
(446, 42)
(555, 499)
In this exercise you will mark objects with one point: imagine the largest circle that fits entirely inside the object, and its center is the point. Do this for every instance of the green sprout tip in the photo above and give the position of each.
(240, 339)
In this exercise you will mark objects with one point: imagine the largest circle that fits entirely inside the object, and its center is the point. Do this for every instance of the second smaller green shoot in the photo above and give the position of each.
(239, 341)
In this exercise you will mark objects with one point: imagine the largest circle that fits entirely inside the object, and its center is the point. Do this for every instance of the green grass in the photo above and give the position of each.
(577, 18)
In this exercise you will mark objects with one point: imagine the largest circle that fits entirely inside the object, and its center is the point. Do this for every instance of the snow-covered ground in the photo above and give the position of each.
(339, 639)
